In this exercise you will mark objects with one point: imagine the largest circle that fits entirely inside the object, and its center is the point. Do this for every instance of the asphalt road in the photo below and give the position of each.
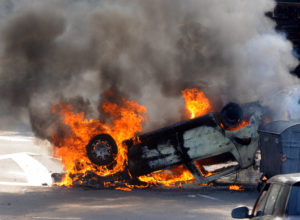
(26, 164)
(78, 203)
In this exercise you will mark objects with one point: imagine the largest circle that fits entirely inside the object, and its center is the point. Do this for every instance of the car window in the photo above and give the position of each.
(272, 197)
(280, 205)
(261, 201)
(293, 207)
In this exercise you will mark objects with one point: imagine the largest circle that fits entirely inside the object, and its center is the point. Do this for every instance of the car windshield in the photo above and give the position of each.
(293, 208)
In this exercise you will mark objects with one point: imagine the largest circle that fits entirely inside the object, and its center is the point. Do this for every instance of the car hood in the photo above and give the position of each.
(276, 218)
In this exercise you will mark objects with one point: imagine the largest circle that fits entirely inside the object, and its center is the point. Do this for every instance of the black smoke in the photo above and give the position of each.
(74, 51)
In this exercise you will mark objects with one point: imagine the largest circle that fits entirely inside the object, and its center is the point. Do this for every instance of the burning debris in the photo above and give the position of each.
(236, 188)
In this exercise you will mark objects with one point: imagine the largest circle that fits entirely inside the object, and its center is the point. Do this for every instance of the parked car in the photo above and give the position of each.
(279, 199)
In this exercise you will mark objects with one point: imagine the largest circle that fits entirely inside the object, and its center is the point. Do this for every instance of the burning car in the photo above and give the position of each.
(228, 137)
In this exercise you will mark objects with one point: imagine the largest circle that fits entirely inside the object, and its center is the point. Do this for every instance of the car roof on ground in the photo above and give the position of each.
(285, 178)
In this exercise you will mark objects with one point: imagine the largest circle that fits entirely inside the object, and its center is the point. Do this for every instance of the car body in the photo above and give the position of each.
(279, 199)
(211, 139)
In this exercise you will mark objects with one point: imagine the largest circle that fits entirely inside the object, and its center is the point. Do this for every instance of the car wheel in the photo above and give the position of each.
(102, 149)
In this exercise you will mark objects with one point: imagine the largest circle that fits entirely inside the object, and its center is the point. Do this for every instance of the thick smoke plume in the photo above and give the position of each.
(74, 50)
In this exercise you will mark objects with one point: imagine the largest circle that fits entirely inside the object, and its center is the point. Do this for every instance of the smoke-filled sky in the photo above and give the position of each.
(146, 50)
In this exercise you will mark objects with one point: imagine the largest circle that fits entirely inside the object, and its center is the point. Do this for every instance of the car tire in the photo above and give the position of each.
(102, 149)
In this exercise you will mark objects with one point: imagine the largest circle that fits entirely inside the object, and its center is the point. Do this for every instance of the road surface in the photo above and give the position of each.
(26, 164)
(77, 203)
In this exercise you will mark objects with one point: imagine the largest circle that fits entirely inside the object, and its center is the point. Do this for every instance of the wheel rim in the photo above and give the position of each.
(102, 149)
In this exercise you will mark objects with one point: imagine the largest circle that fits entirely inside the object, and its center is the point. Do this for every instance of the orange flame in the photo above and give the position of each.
(169, 177)
(196, 103)
(244, 123)
(127, 121)
(236, 188)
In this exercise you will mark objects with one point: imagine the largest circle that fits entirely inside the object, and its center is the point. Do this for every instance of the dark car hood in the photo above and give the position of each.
(276, 218)
(293, 218)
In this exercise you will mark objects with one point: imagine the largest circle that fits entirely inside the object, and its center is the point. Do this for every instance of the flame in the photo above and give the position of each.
(244, 123)
(169, 177)
(236, 188)
(122, 188)
(196, 103)
(127, 119)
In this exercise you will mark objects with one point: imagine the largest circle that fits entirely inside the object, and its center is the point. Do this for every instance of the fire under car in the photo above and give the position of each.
(228, 137)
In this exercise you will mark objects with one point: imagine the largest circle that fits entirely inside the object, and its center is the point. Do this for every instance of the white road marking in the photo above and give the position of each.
(54, 218)
(37, 174)
(14, 184)
(81, 206)
(209, 197)
(10, 156)
(16, 138)
(192, 196)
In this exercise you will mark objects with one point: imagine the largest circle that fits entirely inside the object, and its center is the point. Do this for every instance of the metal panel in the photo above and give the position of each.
(280, 147)
(278, 127)
(270, 153)
(291, 148)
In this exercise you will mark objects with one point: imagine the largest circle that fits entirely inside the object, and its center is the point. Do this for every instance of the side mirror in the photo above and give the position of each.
(240, 212)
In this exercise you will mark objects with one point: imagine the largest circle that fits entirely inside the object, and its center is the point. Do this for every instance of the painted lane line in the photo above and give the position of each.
(10, 156)
(14, 184)
(16, 138)
(209, 197)
(56, 218)
(36, 173)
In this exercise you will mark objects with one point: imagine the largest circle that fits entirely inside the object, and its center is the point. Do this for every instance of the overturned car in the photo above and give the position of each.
(228, 137)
